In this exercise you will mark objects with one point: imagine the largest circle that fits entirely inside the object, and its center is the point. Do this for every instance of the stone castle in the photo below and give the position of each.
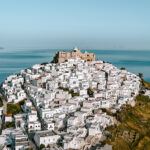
(62, 56)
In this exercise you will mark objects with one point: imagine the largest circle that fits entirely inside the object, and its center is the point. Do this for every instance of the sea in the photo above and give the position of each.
(12, 60)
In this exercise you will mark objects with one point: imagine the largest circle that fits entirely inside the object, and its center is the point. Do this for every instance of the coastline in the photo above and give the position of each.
(15, 60)
(79, 88)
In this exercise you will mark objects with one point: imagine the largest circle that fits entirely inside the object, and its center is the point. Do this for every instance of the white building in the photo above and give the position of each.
(45, 137)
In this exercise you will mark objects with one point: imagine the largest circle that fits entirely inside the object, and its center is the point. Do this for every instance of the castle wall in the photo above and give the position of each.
(63, 56)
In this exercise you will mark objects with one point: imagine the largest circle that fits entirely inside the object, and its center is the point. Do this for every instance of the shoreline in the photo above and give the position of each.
(76, 91)
(12, 58)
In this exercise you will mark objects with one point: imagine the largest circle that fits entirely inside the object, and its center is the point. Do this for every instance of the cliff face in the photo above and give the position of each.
(63, 56)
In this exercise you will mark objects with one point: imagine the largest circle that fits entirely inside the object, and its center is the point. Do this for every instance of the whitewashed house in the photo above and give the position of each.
(95, 129)
(34, 126)
(45, 137)
(75, 143)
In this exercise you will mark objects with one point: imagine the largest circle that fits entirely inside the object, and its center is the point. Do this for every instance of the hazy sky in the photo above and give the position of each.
(91, 24)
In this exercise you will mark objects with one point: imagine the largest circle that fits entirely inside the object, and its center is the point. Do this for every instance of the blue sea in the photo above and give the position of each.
(12, 61)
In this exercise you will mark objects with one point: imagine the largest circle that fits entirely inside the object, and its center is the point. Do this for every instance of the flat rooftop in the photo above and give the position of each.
(45, 133)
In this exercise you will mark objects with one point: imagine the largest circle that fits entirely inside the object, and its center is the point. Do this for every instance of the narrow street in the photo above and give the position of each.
(4, 104)
(4, 107)
(30, 135)
(4, 112)
(39, 118)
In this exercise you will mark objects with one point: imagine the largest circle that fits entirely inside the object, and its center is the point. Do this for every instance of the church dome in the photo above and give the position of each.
(76, 49)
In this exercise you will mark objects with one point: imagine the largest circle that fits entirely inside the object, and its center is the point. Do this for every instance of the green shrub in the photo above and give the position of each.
(146, 84)
(1, 103)
(90, 92)
(142, 98)
(15, 108)
(29, 149)
(70, 92)
(42, 146)
(44, 63)
(9, 125)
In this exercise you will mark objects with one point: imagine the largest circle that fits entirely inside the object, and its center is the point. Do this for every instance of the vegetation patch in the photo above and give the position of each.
(9, 125)
(1, 103)
(70, 92)
(133, 129)
(1, 100)
(42, 146)
(146, 84)
(90, 92)
(14, 108)
(44, 63)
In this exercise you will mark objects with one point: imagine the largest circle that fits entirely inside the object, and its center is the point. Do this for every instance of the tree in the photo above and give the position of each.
(90, 92)
(44, 63)
(106, 75)
(1, 103)
(123, 68)
(140, 75)
(42, 146)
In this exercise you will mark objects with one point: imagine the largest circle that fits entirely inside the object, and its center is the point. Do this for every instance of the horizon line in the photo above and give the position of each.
(99, 49)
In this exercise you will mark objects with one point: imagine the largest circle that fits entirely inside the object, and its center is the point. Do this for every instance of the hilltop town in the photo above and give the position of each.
(65, 104)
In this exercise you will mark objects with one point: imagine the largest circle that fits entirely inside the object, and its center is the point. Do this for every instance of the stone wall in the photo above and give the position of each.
(62, 56)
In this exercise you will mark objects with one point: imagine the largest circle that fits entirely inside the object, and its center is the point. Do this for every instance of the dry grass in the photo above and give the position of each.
(146, 84)
(133, 131)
